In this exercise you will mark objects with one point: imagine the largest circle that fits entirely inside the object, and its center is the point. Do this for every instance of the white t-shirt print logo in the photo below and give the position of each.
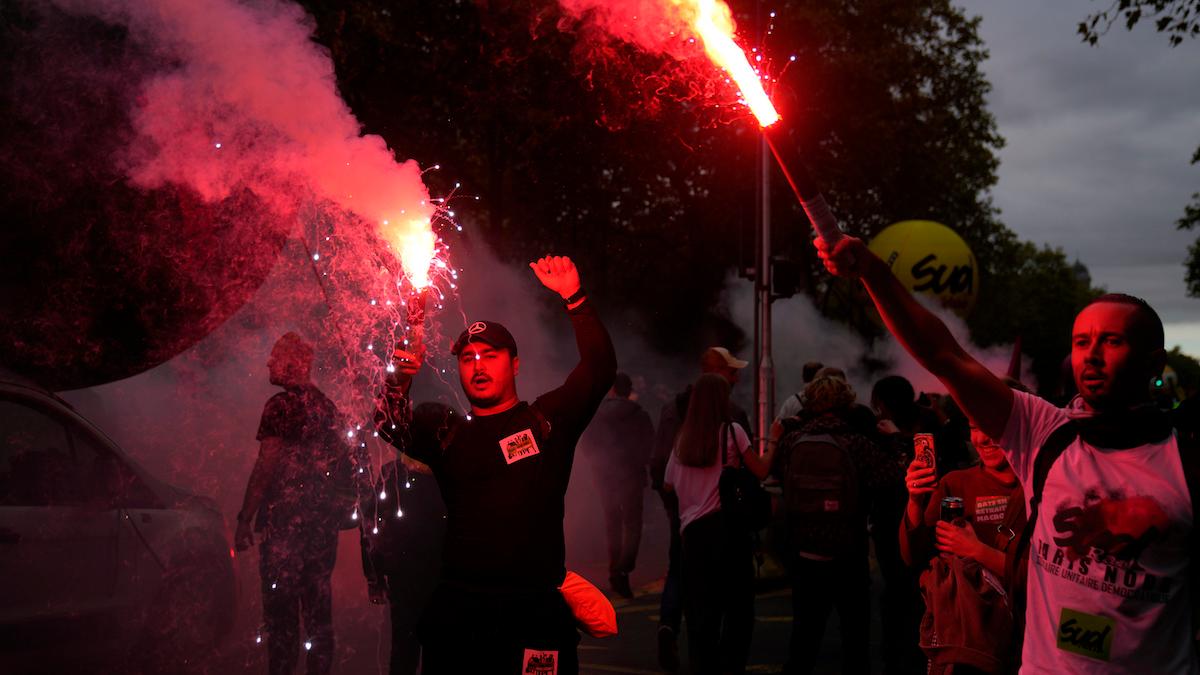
(520, 445)
(538, 662)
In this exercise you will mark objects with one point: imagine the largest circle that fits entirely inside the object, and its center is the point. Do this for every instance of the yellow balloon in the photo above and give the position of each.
(930, 258)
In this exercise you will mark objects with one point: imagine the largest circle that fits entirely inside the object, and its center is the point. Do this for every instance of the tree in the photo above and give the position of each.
(568, 135)
(1190, 219)
(1179, 19)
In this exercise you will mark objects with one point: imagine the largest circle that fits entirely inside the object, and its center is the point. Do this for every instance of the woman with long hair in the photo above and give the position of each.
(718, 555)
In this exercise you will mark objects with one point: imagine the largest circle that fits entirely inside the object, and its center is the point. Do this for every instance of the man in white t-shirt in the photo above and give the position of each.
(1108, 588)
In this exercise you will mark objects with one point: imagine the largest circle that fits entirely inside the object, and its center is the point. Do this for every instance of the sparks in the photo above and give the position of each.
(713, 22)
(417, 246)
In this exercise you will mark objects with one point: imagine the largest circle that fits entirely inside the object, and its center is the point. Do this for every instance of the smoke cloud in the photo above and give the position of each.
(251, 100)
(801, 334)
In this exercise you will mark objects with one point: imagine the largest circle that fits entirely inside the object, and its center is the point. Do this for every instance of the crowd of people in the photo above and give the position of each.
(943, 492)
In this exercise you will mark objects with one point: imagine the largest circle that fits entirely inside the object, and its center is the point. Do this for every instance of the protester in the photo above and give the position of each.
(401, 535)
(831, 474)
(717, 554)
(899, 417)
(618, 444)
(503, 474)
(1108, 579)
(715, 360)
(985, 490)
(292, 498)
(792, 406)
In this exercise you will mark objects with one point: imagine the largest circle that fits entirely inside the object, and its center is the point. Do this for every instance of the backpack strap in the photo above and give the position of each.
(1047, 455)
(542, 422)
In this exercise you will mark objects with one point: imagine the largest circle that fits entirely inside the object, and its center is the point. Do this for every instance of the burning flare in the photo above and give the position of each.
(713, 22)
(415, 244)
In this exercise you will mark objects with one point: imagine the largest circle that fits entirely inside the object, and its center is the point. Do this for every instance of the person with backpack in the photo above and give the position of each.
(293, 498)
(793, 405)
(503, 473)
(831, 473)
(718, 554)
(1110, 485)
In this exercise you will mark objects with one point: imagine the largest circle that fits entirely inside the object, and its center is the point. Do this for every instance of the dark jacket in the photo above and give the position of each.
(619, 440)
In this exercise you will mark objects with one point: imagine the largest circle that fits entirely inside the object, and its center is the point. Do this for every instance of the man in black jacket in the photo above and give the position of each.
(618, 444)
(503, 474)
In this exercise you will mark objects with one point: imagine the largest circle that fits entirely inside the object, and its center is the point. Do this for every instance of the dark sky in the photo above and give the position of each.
(1099, 141)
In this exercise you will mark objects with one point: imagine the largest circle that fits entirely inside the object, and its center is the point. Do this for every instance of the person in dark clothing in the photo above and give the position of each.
(900, 603)
(793, 404)
(503, 474)
(292, 498)
(719, 361)
(402, 532)
(618, 444)
(828, 500)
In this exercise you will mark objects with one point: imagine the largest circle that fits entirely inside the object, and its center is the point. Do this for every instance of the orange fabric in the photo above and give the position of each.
(593, 611)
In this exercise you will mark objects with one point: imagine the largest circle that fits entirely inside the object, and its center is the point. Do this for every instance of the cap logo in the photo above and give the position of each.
(477, 328)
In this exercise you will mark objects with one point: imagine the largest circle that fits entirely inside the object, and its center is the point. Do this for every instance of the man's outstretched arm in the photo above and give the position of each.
(983, 396)
(593, 376)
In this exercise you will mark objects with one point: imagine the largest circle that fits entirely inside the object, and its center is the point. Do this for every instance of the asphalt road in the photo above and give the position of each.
(363, 634)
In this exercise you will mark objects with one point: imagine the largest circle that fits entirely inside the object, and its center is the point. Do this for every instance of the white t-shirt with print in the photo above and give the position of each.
(1108, 559)
(697, 486)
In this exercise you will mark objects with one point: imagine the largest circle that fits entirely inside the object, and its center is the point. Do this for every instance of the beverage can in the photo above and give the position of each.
(953, 509)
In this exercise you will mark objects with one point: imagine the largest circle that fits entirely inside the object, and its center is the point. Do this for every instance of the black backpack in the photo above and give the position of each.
(821, 494)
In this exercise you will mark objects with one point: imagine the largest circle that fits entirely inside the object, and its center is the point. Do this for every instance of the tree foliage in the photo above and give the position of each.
(1190, 220)
(1178, 19)
(580, 144)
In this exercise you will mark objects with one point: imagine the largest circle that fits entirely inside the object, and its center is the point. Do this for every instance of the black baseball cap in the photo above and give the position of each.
(488, 332)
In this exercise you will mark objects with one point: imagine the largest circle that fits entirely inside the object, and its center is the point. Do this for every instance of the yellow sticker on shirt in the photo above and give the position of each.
(1086, 634)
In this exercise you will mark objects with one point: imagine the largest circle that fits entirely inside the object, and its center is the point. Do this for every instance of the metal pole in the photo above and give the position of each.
(764, 366)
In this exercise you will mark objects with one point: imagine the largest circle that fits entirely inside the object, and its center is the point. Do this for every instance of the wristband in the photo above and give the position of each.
(575, 297)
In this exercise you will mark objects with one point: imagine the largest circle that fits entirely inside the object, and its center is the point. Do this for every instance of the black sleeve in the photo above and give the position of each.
(664, 442)
(743, 420)
(576, 401)
(393, 414)
(643, 438)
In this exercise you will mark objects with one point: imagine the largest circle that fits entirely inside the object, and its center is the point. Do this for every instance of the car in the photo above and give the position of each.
(100, 562)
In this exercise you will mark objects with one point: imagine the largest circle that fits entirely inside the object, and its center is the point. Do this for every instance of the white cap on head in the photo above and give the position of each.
(719, 357)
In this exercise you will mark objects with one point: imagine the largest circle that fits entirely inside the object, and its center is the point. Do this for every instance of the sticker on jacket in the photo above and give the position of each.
(538, 662)
(520, 445)
(1085, 634)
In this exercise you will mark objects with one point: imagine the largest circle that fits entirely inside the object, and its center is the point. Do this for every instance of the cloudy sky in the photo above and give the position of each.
(1099, 141)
